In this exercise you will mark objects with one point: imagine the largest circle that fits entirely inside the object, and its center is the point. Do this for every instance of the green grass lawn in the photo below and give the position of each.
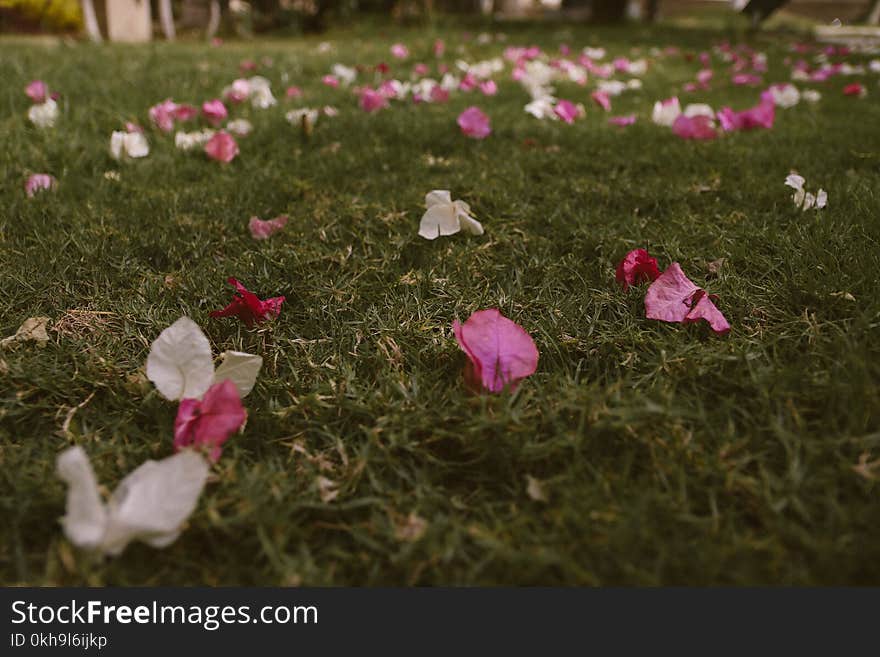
(666, 454)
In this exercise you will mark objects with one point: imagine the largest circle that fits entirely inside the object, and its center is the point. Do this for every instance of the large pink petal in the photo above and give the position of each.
(669, 297)
(502, 351)
(705, 309)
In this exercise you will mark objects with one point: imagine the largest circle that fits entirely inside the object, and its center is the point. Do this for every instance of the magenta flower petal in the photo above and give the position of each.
(372, 101)
(566, 111)
(210, 421)
(248, 307)
(697, 127)
(500, 351)
(474, 123)
(636, 267)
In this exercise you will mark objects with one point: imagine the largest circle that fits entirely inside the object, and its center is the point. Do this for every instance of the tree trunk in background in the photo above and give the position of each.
(874, 16)
(91, 21)
(608, 11)
(214, 19)
(166, 17)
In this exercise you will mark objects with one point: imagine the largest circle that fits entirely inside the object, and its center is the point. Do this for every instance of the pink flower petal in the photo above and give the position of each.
(761, 116)
(38, 182)
(566, 110)
(372, 100)
(37, 91)
(400, 51)
(669, 297)
(602, 99)
(261, 230)
(673, 297)
(162, 115)
(210, 421)
(214, 111)
(501, 353)
(696, 127)
(704, 309)
(622, 121)
(474, 123)
(222, 147)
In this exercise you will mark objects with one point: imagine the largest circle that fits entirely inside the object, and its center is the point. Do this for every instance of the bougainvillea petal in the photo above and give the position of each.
(222, 147)
(669, 297)
(37, 91)
(698, 127)
(704, 309)
(180, 363)
(500, 350)
(249, 308)
(474, 123)
(673, 297)
(209, 422)
(261, 230)
(637, 267)
(37, 183)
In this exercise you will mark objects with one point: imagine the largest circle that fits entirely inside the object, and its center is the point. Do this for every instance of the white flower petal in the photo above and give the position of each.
(440, 219)
(152, 503)
(438, 196)
(240, 368)
(85, 520)
(180, 363)
(136, 144)
(117, 142)
(470, 225)
(821, 199)
(44, 114)
(795, 181)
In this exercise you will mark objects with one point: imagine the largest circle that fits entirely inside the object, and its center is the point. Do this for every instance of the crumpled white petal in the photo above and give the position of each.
(180, 363)
(438, 197)
(151, 504)
(44, 115)
(795, 181)
(240, 368)
(132, 144)
(439, 220)
(86, 518)
(802, 198)
(446, 217)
